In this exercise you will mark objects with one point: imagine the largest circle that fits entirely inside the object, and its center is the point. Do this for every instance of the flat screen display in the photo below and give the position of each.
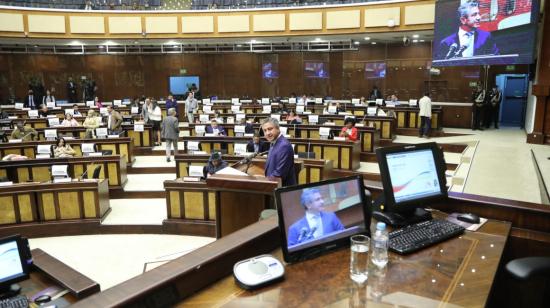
(413, 175)
(179, 85)
(11, 266)
(270, 70)
(375, 70)
(484, 32)
(316, 69)
(316, 216)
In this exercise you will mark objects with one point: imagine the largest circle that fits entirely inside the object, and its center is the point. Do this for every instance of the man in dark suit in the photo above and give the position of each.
(375, 93)
(214, 128)
(468, 41)
(30, 101)
(71, 91)
(315, 223)
(256, 145)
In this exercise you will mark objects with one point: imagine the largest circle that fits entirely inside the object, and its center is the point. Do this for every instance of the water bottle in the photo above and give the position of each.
(380, 242)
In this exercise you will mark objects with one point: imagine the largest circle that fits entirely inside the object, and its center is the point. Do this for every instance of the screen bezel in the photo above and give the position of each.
(323, 247)
(410, 205)
(24, 266)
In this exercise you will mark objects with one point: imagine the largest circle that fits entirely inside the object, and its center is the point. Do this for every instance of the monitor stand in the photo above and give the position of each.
(11, 291)
(398, 219)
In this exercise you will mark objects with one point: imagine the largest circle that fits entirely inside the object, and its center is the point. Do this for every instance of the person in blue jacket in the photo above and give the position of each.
(280, 159)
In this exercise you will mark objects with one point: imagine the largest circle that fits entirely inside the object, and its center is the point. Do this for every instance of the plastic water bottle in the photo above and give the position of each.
(380, 242)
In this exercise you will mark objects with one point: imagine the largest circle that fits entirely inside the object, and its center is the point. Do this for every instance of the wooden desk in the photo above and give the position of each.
(458, 272)
(120, 146)
(343, 154)
(38, 170)
(314, 170)
(27, 203)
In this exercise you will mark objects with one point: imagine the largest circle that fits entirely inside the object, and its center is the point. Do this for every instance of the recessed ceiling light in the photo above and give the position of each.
(101, 46)
(367, 38)
(239, 45)
(416, 36)
(136, 42)
(422, 41)
(356, 43)
(415, 41)
(75, 43)
(110, 43)
(253, 42)
(373, 43)
(317, 39)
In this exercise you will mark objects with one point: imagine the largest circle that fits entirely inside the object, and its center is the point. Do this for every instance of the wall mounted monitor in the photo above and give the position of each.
(270, 70)
(314, 69)
(179, 85)
(375, 70)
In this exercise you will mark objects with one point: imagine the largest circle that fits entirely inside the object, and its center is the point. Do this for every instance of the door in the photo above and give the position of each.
(514, 99)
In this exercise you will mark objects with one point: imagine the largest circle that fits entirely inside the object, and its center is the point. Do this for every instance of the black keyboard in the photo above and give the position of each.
(423, 234)
(18, 301)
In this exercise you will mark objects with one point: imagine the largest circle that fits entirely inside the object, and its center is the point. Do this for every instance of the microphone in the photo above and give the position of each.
(303, 234)
(310, 234)
(83, 175)
(452, 49)
(459, 51)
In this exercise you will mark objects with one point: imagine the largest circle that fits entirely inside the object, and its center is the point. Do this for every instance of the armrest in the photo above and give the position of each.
(526, 268)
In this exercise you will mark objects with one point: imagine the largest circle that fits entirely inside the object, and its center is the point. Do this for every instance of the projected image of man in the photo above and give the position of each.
(469, 40)
(316, 223)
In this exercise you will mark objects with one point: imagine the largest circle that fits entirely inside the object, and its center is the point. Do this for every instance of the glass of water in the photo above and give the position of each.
(358, 266)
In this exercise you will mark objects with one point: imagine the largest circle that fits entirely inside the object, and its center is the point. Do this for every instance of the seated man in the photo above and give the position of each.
(23, 132)
(256, 145)
(248, 127)
(215, 164)
(315, 222)
(215, 129)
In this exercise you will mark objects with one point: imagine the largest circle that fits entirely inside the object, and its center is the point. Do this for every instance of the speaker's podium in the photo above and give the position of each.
(243, 192)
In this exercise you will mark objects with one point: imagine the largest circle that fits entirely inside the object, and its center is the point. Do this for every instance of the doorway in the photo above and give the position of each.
(514, 99)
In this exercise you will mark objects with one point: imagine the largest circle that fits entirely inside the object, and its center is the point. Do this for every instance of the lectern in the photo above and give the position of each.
(241, 198)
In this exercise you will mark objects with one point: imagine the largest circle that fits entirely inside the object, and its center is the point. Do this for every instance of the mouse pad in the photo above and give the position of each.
(468, 226)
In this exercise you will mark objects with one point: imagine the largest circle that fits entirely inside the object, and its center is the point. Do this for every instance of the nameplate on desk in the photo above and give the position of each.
(329, 123)
(57, 108)
(62, 180)
(184, 124)
(249, 135)
(15, 140)
(355, 101)
(113, 136)
(210, 135)
(6, 183)
(359, 125)
(138, 127)
(26, 109)
(95, 154)
(12, 117)
(283, 122)
(191, 179)
(41, 156)
(18, 106)
(199, 153)
(339, 138)
(68, 138)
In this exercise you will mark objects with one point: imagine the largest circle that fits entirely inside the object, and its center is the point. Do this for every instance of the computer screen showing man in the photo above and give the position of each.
(413, 175)
(317, 214)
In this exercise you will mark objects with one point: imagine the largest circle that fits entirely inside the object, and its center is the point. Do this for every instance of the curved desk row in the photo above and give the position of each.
(119, 146)
(113, 168)
(368, 136)
(343, 154)
(26, 203)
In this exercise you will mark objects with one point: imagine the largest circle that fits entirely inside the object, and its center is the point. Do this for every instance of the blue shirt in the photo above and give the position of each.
(280, 161)
(173, 103)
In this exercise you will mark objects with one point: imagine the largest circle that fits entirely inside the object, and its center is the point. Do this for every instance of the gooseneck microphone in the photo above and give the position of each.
(451, 53)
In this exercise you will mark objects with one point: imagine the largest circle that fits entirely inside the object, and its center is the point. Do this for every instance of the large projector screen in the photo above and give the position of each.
(484, 32)
(179, 85)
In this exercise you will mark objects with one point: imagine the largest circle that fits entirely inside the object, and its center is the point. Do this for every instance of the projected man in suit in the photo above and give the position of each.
(469, 40)
(315, 222)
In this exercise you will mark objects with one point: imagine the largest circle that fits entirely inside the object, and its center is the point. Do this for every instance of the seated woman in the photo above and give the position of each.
(61, 149)
(215, 129)
(215, 164)
(69, 120)
(349, 131)
(91, 124)
(293, 118)
(97, 102)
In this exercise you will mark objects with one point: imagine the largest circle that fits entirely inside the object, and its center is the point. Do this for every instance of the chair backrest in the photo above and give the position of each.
(96, 173)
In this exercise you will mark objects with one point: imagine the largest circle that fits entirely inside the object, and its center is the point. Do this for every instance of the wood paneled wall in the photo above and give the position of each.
(240, 74)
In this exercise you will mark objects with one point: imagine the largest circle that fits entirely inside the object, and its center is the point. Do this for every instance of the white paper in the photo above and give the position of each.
(239, 128)
(204, 118)
(33, 113)
(101, 131)
(53, 121)
(313, 118)
(292, 100)
(60, 170)
(235, 101)
(332, 109)
(324, 131)
(193, 145)
(235, 108)
(413, 102)
(70, 111)
(138, 127)
(15, 140)
(206, 101)
(50, 133)
(207, 108)
(355, 101)
(87, 147)
(379, 101)
(196, 171)
(339, 138)
(200, 129)
(90, 103)
(265, 101)
(371, 111)
(276, 117)
(43, 149)
(231, 171)
(239, 148)
(18, 105)
(134, 110)
(318, 100)
(50, 104)
(266, 109)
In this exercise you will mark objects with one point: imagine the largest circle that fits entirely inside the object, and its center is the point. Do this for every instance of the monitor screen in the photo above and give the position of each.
(484, 32)
(179, 85)
(375, 70)
(321, 216)
(13, 267)
(270, 70)
(411, 175)
(316, 69)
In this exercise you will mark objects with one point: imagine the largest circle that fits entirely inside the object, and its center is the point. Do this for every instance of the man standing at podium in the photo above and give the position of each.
(280, 159)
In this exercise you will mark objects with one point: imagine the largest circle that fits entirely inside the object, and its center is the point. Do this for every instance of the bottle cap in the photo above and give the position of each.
(381, 226)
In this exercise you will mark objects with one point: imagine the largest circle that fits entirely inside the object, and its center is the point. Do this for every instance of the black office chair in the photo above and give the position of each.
(532, 269)
(96, 173)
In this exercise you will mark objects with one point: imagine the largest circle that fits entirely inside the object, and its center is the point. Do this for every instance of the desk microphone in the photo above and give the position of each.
(451, 53)
(303, 233)
(85, 173)
(310, 234)
(459, 52)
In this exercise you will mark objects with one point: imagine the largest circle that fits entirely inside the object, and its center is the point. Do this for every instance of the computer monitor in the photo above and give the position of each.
(340, 206)
(13, 263)
(412, 176)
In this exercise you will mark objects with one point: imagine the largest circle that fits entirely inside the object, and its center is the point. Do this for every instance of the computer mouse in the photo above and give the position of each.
(469, 218)
(42, 299)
